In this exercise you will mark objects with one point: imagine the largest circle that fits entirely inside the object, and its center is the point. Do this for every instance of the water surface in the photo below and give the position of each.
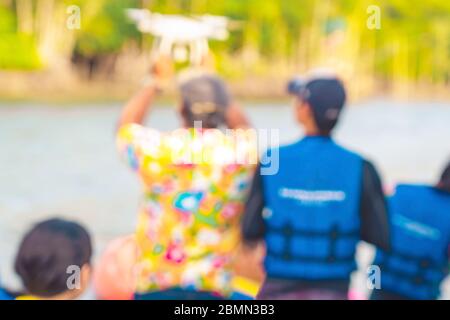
(63, 162)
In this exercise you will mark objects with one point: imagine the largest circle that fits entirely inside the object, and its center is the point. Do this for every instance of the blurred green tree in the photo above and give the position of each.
(271, 37)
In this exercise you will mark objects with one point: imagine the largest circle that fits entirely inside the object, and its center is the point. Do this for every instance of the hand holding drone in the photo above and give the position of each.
(161, 73)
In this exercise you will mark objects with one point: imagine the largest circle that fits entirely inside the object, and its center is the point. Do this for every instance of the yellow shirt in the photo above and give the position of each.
(27, 298)
(195, 184)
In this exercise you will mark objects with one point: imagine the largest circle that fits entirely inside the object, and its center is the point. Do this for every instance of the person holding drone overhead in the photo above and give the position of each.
(321, 202)
(195, 189)
(418, 262)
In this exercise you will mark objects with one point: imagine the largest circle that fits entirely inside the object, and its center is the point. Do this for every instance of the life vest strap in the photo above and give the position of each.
(334, 234)
(311, 259)
(417, 279)
(424, 262)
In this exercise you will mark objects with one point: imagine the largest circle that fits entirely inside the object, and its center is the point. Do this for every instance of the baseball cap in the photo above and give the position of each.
(205, 98)
(326, 95)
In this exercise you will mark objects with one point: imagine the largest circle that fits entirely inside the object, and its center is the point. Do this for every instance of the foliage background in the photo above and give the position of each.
(275, 38)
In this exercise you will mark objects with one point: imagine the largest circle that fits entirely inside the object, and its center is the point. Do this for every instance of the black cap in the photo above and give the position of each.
(205, 98)
(325, 95)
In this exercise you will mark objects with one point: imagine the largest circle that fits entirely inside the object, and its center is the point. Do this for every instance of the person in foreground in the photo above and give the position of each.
(418, 261)
(195, 180)
(312, 212)
(119, 261)
(54, 261)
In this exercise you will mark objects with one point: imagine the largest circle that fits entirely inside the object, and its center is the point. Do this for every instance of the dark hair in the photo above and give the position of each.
(325, 128)
(444, 183)
(46, 252)
(209, 120)
(326, 97)
(205, 99)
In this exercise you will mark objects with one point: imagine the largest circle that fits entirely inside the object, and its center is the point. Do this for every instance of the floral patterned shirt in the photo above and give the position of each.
(195, 184)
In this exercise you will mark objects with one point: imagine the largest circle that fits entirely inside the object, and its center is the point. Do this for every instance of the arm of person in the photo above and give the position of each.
(236, 118)
(129, 131)
(138, 106)
(253, 225)
(374, 209)
(131, 138)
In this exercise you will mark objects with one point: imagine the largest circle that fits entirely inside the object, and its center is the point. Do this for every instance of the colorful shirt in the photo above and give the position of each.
(195, 184)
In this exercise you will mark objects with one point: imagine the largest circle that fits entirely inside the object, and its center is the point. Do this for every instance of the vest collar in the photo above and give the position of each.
(317, 139)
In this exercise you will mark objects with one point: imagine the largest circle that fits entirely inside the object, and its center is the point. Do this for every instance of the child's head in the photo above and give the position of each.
(54, 260)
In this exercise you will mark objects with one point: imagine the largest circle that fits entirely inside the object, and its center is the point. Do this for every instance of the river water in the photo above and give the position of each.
(62, 161)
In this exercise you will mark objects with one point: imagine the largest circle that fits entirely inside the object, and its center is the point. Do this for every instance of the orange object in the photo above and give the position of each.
(356, 295)
(115, 272)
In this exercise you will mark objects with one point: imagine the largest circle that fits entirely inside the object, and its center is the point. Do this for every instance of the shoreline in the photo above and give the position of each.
(169, 101)
(55, 88)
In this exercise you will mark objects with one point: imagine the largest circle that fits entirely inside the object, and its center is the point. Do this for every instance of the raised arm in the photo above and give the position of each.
(137, 107)
(236, 118)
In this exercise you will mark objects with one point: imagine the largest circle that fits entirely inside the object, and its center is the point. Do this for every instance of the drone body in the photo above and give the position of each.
(184, 38)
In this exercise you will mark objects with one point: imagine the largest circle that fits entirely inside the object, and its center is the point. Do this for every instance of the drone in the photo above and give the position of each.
(182, 37)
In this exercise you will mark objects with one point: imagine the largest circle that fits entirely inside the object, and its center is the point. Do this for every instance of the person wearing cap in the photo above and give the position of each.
(195, 180)
(314, 210)
(418, 261)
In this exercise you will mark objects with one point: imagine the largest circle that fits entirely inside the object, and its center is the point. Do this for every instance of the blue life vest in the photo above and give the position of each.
(420, 227)
(312, 206)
